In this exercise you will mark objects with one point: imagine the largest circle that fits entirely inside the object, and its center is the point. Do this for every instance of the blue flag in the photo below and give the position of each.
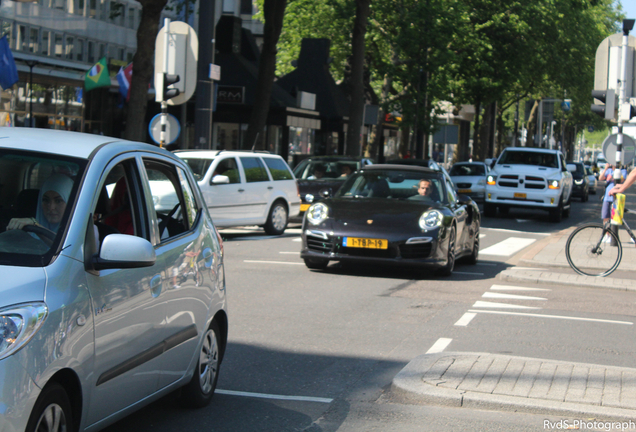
(8, 71)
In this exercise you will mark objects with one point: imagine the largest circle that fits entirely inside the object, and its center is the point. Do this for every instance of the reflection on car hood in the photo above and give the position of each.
(21, 285)
(314, 186)
(471, 179)
(526, 169)
(389, 215)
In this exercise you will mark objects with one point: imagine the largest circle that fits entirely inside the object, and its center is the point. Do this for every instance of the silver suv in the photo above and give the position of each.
(245, 188)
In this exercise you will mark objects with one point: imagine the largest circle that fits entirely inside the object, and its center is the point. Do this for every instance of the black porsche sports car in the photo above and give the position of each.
(393, 214)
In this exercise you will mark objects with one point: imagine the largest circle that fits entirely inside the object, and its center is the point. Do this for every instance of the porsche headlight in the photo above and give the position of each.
(553, 184)
(317, 213)
(431, 219)
(18, 324)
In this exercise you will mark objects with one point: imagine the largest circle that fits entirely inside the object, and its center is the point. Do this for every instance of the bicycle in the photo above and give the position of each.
(589, 252)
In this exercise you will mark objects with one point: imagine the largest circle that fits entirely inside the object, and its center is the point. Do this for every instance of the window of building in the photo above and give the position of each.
(58, 4)
(79, 50)
(246, 7)
(22, 40)
(116, 12)
(58, 45)
(91, 52)
(129, 56)
(131, 18)
(78, 7)
(34, 40)
(6, 28)
(120, 54)
(44, 47)
(68, 51)
(104, 10)
(103, 50)
(93, 9)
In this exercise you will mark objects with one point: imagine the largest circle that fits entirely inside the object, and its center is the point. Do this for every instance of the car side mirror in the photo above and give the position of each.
(325, 193)
(124, 251)
(220, 179)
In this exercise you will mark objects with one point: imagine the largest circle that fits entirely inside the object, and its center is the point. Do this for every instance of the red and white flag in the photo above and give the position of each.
(124, 78)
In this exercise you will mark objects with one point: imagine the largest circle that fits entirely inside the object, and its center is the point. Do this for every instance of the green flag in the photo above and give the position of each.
(97, 76)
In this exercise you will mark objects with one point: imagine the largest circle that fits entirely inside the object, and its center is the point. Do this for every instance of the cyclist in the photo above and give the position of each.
(622, 187)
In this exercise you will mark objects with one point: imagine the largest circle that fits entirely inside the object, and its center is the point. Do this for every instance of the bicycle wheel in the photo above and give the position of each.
(589, 255)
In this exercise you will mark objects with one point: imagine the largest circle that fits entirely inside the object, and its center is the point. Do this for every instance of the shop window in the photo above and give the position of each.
(69, 47)
(34, 39)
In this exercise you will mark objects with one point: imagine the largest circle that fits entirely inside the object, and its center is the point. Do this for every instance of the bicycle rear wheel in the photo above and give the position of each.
(589, 255)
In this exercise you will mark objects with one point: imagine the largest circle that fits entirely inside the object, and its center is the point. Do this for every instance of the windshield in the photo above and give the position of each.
(198, 166)
(393, 184)
(316, 170)
(37, 191)
(468, 170)
(516, 157)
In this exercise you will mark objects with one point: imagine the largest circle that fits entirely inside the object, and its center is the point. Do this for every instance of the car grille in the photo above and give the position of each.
(464, 185)
(319, 245)
(515, 181)
(414, 251)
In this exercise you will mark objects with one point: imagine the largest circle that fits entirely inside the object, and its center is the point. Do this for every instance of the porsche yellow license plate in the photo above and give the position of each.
(464, 191)
(520, 195)
(365, 243)
(304, 207)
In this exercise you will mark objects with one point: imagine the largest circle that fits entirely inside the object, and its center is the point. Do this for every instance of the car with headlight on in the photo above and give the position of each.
(531, 178)
(108, 302)
(581, 183)
(470, 179)
(393, 214)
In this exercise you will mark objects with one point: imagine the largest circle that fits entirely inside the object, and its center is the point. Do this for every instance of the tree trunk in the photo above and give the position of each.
(274, 12)
(143, 69)
(357, 77)
(476, 141)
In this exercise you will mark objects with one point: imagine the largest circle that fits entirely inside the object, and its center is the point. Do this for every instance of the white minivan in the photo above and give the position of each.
(245, 188)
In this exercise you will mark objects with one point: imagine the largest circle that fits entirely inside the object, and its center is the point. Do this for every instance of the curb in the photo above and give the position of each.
(540, 276)
(408, 386)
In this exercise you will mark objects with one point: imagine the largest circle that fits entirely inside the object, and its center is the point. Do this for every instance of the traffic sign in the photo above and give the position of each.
(183, 54)
(590, 128)
(628, 149)
(173, 129)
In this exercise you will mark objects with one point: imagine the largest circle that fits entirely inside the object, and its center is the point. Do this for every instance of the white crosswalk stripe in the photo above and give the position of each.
(508, 247)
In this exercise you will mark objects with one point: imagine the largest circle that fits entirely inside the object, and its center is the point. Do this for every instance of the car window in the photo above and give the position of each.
(278, 169)
(520, 157)
(450, 192)
(229, 168)
(391, 184)
(199, 166)
(468, 170)
(254, 169)
(36, 187)
(174, 205)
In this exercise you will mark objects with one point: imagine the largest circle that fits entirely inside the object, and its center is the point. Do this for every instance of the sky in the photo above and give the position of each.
(629, 7)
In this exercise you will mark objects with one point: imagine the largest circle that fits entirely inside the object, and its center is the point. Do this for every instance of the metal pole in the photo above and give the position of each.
(31, 64)
(164, 103)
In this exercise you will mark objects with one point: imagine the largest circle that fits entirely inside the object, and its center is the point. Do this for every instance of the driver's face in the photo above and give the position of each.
(53, 206)
(425, 188)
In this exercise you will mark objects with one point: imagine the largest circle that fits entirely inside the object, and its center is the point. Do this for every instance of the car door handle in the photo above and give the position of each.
(155, 286)
(241, 190)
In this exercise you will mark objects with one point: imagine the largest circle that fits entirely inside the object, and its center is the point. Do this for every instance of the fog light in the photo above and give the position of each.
(551, 200)
(489, 195)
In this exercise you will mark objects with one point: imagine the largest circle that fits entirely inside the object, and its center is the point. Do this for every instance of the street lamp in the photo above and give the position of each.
(31, 64)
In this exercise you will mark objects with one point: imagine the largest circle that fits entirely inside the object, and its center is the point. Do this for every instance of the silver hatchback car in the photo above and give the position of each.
(107, 303)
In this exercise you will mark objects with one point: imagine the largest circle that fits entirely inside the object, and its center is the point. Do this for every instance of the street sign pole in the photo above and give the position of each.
(164, 102)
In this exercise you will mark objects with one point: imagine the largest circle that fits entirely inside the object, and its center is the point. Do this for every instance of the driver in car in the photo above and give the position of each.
(52, 201)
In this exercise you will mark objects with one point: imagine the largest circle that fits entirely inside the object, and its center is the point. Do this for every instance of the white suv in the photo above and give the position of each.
(245, 188)
(531, 178)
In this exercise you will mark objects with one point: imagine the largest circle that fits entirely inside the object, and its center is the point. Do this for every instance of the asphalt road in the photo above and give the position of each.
(317, 350)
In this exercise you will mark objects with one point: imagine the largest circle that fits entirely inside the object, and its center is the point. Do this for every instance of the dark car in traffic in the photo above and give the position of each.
(396, 215)
(324, 174)
(581, 182)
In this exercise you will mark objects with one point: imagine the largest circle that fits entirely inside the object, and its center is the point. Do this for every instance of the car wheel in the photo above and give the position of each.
(490, 210)
(472, 258)
(556, 214)
(277, 219)
(199, 391)
(52, 411)
(316, 263)
(447, 270)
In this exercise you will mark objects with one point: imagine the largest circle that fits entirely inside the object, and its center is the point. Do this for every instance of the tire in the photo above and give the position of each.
(52, 411)
(316, 263)
(474, 255)
(277, 219)
(447, 270)
(588, 255)
(556, 215)
(490, 210)
(199, 391)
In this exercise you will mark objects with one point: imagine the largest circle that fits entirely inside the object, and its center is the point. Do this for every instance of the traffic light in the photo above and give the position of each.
(163, 89)
(628, 110)
(608, 96)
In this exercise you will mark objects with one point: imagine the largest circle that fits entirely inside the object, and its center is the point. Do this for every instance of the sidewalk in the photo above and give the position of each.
(507, 383)
(548, 254)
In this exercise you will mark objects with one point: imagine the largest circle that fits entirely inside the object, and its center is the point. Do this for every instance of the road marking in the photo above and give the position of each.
(514, 231)
(516, 288)
(291, 253)
(439, 346)
(297, 239)
(527, 268)
(465, 319)
(272, 262)
(481, 236)
(497, 295)
(554, 317)
(485, 304)
(508, 247)
(271, 396)
(468, 273)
